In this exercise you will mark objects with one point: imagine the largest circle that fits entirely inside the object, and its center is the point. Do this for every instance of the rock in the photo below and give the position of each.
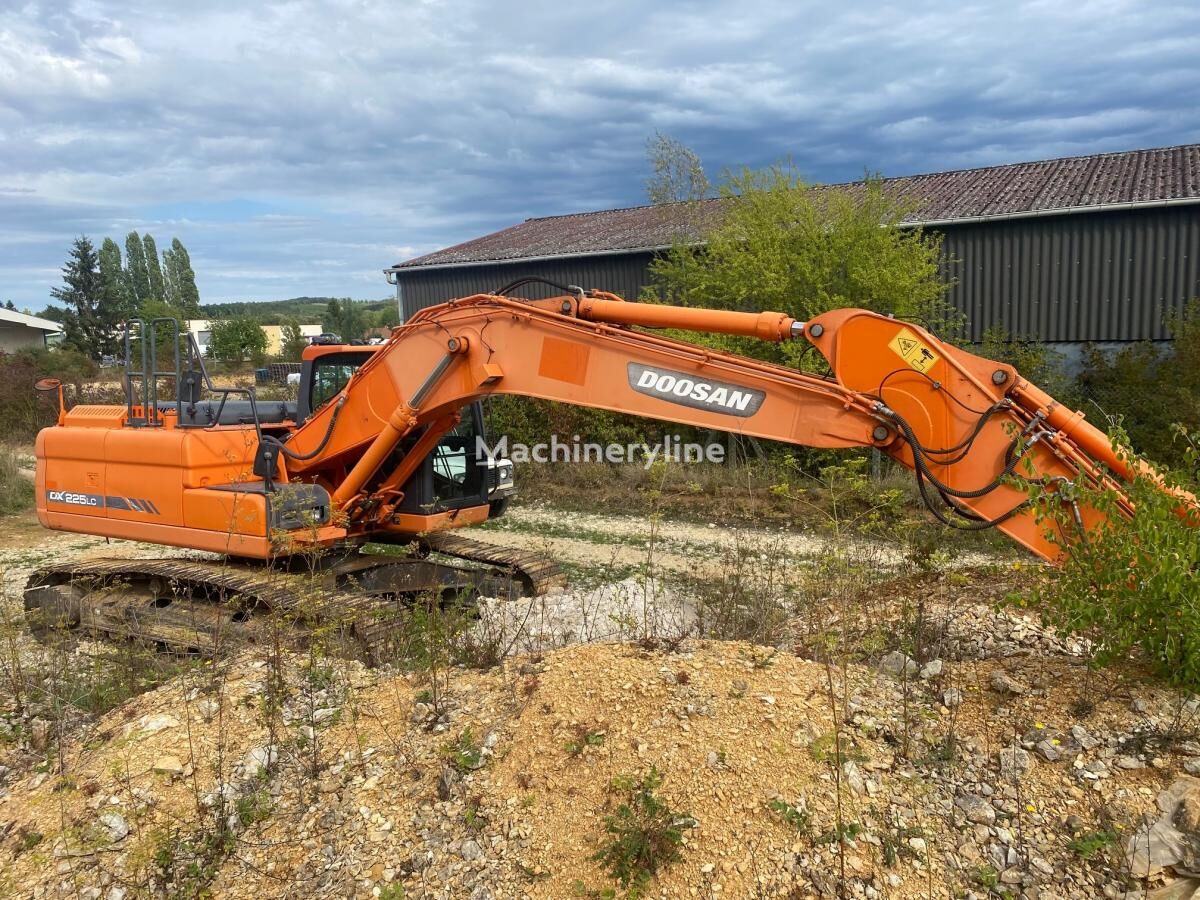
(853, 777)
(1014, 762)
(168, 765)
(446, 782)
(1166, 842)
(39, 734)
(931, 669)
(208, 709)
(115, 826)
(898, 664)
(1192, 766)
(1154, 846)
(1181, 889)
(917, 845)
(1129, 762)
(976, 809)
(952, 698)
(116, 892)
(1003, 683)
(1083, 739)
(151, 724)
(258, 760)
(470, 850)
(1049, 752)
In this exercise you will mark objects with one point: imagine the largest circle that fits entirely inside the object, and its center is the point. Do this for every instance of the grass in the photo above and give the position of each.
(16, 489)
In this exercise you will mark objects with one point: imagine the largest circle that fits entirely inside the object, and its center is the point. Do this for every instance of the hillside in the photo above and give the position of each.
(307, 310)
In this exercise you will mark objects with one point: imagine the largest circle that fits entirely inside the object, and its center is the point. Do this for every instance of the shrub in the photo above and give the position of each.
(645, 833)
(1148, 390)
(1129, 583)
(16, 490)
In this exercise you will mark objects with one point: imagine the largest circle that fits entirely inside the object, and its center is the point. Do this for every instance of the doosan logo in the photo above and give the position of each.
(697, 393)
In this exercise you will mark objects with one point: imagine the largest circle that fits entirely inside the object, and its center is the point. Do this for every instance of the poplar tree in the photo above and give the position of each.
(180, 279)
(136, 274)
(113, 281)
(154, 269)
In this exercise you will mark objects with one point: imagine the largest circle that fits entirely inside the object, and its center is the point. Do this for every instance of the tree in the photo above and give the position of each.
(136, 273)
(292, 342)
(90, 321)
(180, 280)
(346, 318)
(8, 304)
(53, 313)
(785, 245)
(237, 339)
(154, 269)
(113, 281)
(677, 172)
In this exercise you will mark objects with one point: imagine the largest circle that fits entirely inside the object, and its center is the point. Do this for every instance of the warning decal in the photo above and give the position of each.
(909, 348)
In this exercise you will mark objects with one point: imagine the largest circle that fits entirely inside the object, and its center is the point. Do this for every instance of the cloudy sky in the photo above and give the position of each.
(300, 147)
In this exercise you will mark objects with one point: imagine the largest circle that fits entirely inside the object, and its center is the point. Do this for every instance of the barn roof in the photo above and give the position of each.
(1047, 187)
(19, 318)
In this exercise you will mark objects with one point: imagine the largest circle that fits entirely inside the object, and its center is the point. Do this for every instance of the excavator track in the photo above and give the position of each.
(355, 604)
(537, 574)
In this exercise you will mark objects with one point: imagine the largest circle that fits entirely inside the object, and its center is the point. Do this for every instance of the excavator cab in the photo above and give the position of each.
(455, 474)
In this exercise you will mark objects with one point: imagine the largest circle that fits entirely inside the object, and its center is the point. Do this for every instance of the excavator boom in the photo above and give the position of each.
(969, 427)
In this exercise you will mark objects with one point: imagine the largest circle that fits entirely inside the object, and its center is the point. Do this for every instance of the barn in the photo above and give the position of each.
(1080, 249)
(19, 331)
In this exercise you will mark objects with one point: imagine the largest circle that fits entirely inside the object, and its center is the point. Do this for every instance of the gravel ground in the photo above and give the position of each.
(960, 750)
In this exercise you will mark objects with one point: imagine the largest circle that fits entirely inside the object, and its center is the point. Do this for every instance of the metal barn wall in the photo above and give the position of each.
(625, 274)
(1088, 277)
(1101, 277)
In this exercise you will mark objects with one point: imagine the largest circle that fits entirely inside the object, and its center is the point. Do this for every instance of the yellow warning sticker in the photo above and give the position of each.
(913, 351)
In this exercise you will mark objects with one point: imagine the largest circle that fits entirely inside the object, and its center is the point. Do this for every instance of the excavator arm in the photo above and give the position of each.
(968, 427)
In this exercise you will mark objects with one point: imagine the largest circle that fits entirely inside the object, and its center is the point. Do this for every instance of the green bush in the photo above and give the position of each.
(24, 411)
(1129, 583)
(1149, 390)
(645, 833)
(16, 489)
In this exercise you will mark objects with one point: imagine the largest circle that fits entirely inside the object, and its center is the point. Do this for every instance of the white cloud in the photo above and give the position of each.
(278, 138)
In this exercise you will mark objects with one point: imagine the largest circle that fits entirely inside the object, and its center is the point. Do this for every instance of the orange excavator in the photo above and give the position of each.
(381, 448)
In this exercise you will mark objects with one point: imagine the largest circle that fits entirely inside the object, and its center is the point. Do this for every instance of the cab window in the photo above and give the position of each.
(456, 473)
(330, 375)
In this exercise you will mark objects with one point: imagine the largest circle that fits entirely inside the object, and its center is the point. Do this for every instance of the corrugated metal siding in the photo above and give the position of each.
(1095, 277)
(625, 274)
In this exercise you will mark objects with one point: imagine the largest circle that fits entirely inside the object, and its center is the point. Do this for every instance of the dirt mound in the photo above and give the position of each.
(288, 776)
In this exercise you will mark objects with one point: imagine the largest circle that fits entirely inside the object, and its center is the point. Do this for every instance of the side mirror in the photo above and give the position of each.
(49, 384)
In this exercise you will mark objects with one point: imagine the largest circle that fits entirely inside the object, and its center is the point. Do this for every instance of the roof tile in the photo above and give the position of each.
(1136, 176)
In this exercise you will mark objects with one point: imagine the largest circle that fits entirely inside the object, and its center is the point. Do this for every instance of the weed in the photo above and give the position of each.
(584, 739)
(645, 833)
(254, 808)
(1086, 846)
(393, 891)
(839, 835)
(465, 754)
(27, 840)
(826, 749)
(794, 814)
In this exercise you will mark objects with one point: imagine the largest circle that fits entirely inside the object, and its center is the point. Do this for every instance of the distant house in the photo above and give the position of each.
(19, 331)
(1086, 248)
(201, 329)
